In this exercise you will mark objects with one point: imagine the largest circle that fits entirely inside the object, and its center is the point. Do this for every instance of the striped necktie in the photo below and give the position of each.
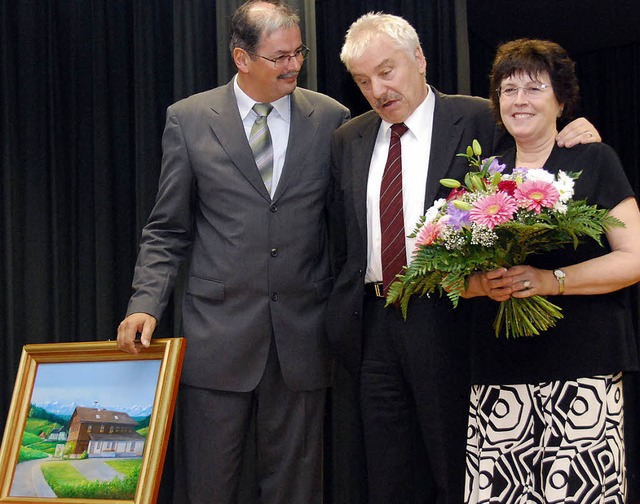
(260, 141)
(391, 214)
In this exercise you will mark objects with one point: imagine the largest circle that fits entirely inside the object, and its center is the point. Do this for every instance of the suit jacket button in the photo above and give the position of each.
(274, 296)
(274, 252)
(273, 208)
(355, 315)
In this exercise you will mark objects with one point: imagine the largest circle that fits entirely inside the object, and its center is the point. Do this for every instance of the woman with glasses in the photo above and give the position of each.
(547, 419)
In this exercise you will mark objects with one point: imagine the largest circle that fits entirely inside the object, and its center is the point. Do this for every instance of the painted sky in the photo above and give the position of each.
(122, 383)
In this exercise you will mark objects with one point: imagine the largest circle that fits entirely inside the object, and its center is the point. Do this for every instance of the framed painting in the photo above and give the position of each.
(89, 423)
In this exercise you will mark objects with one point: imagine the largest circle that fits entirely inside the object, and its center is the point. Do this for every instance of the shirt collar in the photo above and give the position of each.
(419, 122)
(245, 103)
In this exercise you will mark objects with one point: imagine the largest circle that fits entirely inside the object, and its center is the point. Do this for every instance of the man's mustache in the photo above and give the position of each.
(288, 75)
(384, 99)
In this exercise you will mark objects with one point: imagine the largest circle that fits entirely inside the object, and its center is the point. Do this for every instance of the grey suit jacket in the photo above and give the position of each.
(457, 121)
(257, 266)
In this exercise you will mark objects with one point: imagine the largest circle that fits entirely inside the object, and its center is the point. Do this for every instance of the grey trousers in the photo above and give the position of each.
(286, 450)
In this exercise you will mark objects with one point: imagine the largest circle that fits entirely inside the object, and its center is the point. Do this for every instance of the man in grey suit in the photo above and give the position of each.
(256, 237)
(413, 375)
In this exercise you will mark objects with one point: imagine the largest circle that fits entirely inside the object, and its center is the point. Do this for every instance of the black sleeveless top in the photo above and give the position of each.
(596, 335)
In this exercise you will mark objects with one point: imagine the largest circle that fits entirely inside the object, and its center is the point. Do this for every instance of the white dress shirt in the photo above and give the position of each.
(416, 149)
(279, 121)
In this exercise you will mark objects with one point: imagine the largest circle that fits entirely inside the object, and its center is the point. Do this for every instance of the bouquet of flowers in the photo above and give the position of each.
(493, 220)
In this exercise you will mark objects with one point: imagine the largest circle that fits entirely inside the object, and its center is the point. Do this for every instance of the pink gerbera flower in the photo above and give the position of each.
(536, 194)
(428, 233)
(493, 210)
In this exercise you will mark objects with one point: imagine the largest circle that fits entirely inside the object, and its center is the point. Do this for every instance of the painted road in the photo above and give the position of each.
(28, 480)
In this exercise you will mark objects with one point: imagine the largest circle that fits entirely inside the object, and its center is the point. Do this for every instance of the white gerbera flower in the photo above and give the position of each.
(560, 207)
(432, 213)
(564, 184)
(540, 174)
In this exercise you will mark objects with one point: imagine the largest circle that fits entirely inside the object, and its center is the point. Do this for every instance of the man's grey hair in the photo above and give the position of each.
(368, 27)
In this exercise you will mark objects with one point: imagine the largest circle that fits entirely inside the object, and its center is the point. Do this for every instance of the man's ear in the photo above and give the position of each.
(241, 59)
(421, 60)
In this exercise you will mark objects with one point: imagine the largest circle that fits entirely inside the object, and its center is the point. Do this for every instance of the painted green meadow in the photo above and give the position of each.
(33, 446)
(67, 482)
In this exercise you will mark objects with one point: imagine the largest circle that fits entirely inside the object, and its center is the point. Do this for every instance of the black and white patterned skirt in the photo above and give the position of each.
(552, 442)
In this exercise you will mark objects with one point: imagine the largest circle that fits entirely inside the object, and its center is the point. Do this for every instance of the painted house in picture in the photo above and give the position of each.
(103, 433)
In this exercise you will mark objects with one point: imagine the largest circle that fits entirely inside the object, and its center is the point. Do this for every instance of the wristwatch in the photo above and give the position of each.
(559, 274)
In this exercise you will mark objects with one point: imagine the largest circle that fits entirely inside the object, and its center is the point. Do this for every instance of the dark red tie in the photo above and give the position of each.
(391, 215)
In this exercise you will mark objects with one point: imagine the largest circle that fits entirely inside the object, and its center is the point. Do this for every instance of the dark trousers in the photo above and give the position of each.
(288, 429)
(414, 398)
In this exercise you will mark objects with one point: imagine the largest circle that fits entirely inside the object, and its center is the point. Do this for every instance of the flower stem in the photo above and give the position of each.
(526, 316)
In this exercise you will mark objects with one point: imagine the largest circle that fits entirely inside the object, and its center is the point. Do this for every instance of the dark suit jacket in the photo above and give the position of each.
(457, 121)
(257, 266)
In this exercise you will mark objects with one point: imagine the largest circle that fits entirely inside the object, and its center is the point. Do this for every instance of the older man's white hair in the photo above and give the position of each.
(369, 27)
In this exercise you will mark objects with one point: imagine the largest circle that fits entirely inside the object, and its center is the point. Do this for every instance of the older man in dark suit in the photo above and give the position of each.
(242, 194)
(413, 375)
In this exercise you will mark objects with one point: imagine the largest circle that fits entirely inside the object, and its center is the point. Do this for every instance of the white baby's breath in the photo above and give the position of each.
(482, 235)
(453, 239)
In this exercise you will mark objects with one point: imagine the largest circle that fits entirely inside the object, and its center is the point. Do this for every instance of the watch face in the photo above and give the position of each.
(559, 273)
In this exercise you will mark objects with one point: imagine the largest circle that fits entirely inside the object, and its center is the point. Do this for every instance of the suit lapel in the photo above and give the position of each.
(298, 145)
(361, 153)
(226, 124)
(444, 141)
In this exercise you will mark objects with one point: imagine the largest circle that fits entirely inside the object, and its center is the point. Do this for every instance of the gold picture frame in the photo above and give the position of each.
(111, 435)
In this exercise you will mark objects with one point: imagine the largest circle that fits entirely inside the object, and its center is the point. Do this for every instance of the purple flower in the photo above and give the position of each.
(520, 171)
(496, 167)
(457, 218)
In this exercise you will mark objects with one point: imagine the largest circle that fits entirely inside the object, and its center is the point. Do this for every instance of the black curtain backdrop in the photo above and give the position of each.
(610, 87)
(83, 89)
(84, 85)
